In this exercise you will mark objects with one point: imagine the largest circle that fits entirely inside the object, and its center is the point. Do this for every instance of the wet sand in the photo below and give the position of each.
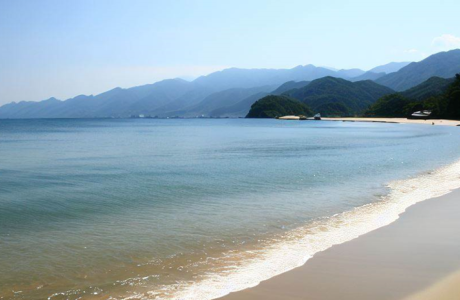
(397, 120)
(413, 257)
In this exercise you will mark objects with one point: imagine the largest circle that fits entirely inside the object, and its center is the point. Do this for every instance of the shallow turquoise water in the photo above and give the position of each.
(103, 207)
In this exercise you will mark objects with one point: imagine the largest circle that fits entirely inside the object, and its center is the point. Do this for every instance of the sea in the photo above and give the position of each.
(198, 208)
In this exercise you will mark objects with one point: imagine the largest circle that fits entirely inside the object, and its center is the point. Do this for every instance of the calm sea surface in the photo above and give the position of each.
(147, 209)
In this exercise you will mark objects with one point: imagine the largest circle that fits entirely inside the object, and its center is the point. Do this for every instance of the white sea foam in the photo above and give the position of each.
(301, 244)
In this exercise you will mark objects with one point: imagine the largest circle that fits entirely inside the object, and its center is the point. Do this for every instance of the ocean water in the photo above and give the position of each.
(195, 209)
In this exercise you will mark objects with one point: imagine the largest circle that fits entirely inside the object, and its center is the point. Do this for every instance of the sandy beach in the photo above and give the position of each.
(416, 257)
(398, 120)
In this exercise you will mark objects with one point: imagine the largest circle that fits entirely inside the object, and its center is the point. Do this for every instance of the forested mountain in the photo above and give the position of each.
(441, 96)
(338, 97)
(443, 64)
(277, 106)
(432, 87)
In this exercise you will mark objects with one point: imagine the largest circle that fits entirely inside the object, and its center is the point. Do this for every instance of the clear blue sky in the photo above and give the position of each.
(65, 48)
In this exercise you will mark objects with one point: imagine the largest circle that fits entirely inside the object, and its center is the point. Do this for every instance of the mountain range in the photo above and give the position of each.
(332, 96)
(337, 97)
(443, 64)
(231, 92)
(438, 95)
(429, 88)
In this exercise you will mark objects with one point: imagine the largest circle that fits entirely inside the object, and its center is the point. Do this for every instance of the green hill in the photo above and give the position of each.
(443, 64)
(432, 87)
(452, 100)
(394, 106)
(338, 97)
(276, 106)
(443, 105)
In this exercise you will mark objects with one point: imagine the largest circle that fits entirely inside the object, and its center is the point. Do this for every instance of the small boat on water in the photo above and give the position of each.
(423, 114)
(317, 117)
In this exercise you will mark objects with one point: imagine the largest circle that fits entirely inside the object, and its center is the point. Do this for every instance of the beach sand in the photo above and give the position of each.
(397, 120)
(446, 289)
(416, 257)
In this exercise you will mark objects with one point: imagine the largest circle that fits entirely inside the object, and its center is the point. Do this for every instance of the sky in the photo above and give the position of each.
(66, 48)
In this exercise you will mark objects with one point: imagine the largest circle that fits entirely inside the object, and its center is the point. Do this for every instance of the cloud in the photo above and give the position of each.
(446, 42)
(415, 54)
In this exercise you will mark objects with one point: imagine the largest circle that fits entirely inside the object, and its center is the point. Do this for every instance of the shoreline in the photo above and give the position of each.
(442, 122)
(304, 244)
(402, 259)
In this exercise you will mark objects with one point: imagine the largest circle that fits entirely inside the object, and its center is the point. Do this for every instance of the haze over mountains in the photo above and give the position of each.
(231, 92)
(443, 64)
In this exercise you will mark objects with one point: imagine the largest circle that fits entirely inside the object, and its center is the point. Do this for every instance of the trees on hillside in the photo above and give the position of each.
(445, 105)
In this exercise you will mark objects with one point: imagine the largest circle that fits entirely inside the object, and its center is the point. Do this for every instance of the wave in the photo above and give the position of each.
(238, 270)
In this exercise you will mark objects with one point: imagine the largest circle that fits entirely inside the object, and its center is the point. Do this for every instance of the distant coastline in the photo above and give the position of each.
(442, 122)
(232, 93)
